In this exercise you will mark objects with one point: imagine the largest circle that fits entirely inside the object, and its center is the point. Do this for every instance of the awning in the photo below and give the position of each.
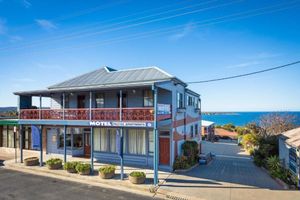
(9, 122)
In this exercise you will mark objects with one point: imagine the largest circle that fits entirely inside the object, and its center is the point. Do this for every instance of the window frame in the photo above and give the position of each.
(148, 97)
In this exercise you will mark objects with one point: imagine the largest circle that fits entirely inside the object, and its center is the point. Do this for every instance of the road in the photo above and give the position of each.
(17, 185)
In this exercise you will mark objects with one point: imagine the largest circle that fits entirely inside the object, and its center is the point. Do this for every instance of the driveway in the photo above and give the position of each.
(231, 175)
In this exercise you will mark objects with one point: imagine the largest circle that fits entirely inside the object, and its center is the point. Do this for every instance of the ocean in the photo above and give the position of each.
(242, 118)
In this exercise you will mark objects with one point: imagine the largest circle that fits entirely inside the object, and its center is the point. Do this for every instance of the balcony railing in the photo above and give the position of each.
(105, 114)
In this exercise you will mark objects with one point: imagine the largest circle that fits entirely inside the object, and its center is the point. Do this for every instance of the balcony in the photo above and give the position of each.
(103, 114)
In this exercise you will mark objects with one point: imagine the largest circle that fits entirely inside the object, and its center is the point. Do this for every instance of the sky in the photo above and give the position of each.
(46, 42)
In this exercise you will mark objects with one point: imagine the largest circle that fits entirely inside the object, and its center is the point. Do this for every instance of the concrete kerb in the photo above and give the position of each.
(90, 180)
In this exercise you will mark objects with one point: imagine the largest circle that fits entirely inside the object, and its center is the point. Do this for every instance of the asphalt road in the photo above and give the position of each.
(17, 185)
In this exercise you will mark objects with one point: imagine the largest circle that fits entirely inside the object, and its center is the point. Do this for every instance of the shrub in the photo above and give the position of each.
(107, 169)
(71, 166)
(273, 163)
(190, 150)
(54, 161)
(83, 167)
(181, 162)
(137, 174)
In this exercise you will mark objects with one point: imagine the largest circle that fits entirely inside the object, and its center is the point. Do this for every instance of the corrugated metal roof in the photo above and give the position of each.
(207, 123)
(293, 137)
(107, 76)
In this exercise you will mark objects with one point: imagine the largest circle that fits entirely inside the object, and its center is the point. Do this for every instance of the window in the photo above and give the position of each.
(136, 141)
(105, 139)
(76, 133)
(190, 101)
(112, 140)
(99, 98)
(148, 98)
(151, 143)
(10, 136)
(179, 100)
(61, 138)
(196, 129)
(192, 131)
(4, 136)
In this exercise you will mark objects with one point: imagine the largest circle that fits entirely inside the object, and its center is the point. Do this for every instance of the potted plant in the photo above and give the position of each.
(31, 161)
(71, 166)
(54, 163)
(107, 172)
(136, 177)
(83, 168)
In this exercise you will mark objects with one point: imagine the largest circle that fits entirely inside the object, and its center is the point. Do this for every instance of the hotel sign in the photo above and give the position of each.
(122, 124)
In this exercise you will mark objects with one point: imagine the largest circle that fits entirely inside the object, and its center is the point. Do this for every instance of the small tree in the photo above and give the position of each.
(275, 123)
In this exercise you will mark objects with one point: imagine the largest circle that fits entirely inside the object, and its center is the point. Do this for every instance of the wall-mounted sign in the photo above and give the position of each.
(122, 124)
(163, 109)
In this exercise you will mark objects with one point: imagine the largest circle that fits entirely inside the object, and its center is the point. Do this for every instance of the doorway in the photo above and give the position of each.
(164, 148)
(124, 100)
(87, 143)
(80, 101)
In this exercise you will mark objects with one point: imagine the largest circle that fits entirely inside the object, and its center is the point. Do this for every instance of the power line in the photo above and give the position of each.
(247, 74)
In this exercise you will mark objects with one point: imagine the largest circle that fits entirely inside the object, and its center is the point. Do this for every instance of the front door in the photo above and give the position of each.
(124, 100)
(87, 144)
(80, 101)
(164, 151)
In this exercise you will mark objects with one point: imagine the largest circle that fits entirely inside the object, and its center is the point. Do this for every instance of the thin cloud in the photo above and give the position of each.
(245, 64)
(15, 38)
(3, 28)
(185, 32)
(26, 4)
(50, 67)
(23, 80)
(46, 24)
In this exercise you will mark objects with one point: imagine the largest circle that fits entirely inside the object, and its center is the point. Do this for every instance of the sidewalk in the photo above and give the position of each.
(95, 180)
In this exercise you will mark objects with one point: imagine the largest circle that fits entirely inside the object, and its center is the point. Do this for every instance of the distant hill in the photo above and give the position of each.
(8, 109)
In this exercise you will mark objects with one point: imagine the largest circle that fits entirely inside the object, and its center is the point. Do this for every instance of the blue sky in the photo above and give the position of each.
(44, 42)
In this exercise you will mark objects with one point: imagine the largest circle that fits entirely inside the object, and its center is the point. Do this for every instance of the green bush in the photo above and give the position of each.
(181, 162)
(107, 169)
(137, 174)
(71, 165)
(191, 151)
(273, 163)
(54, 161)
(83, 167)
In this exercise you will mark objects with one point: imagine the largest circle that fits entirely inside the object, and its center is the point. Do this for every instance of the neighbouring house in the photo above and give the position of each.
(208, 129)
(89, 113)
(289, 151)
(222, 133)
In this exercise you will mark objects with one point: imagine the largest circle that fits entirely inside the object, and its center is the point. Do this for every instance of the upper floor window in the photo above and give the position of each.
(148, 98)
(192, 131)
(196, 129)
(190, 101)
(179, 100)
(99, 98)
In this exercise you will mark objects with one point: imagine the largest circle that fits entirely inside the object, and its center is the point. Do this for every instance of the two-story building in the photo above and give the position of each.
(88, 114)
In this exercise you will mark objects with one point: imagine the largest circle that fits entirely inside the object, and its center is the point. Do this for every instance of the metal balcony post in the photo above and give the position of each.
(41, 145)
(65, 144)
(21, 143)
(40, 111)
(64, 105)
(121, 135)
(155, 156)
(92, 150)
(90, 108)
